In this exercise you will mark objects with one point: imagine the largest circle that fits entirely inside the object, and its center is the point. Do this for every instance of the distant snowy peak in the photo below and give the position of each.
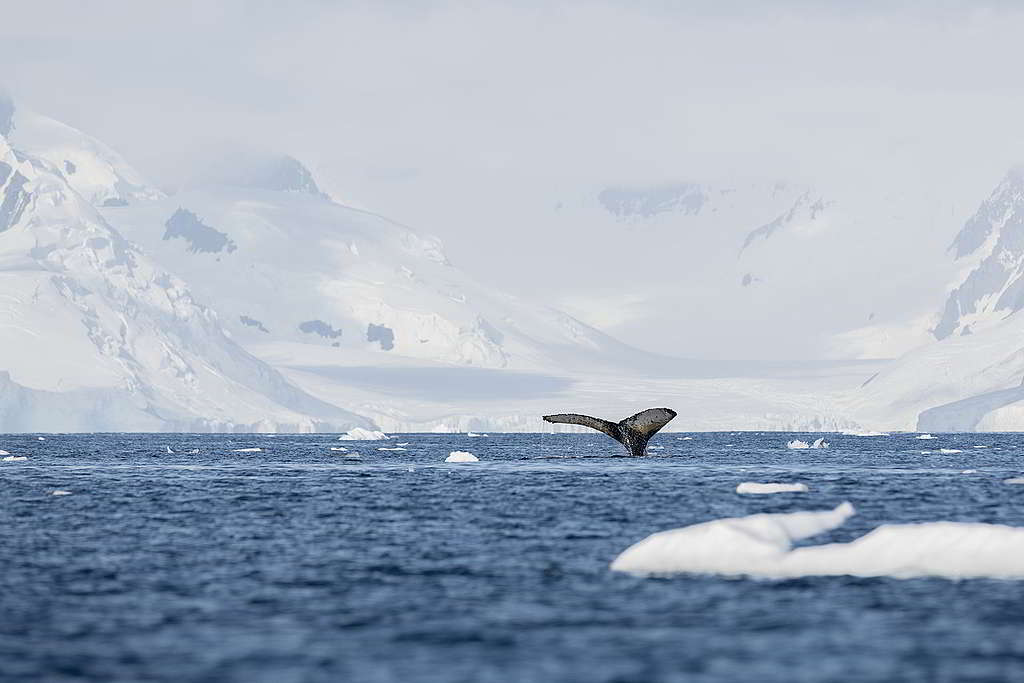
(254, 170)
(1001, 206)
(804, 214)
(994, 288)
(95, 171)
(633, 203)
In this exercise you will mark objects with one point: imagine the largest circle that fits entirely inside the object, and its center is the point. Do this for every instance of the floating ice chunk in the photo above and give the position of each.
(339, 449)
(360, 434)
(686, 438)
(404, 443)
(247, 450)
(797, 444)
(949, 451)
(476, 435)
(354, 456)
(461, 456)
(755, 487)
(3, 452)
(390, 449)
(168, 449)
(980, 446)
(655, 448)
(925, 436)
(857, 432)
(1014, 480)
(819, 443)
(969, 472)
(761, 546)
(14, 458)
(60, 492)
(39, 438)
(194, 451)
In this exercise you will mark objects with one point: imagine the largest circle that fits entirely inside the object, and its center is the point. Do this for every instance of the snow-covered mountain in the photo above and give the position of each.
(286, 265)
(971, 378)
(755, 268)
(95, 171)
(251, 300)
(95, 336)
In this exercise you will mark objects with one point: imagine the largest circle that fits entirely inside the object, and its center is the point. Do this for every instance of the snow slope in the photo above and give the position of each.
(285, 265)
(94, 336)
(971, 377)
(95, 171)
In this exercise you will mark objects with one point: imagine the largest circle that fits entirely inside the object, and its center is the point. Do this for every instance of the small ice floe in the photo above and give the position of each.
(14, 458)
(925, 436)
(339, 449)
(979, 446)
(461, 456)
(968, 471)
(247, 450)
(360, 434)
(60, 492)
(949, 451)
(404, 443)
(819, 443)
(476, 435)
(354, 456)
(194, 451)
(390, 449)
(755, 487)
(1014, 480)
(858, 432)
(686, 438)
(797, 444)
(39, 438)
(3, 452)
(762, 546)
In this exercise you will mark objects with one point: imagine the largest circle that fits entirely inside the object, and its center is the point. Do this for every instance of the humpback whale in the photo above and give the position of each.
(633, 432)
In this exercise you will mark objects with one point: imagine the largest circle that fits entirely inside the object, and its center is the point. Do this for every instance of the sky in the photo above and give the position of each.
(492, 125)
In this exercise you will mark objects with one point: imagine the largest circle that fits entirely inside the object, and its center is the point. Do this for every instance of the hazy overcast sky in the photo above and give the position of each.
(470, 120)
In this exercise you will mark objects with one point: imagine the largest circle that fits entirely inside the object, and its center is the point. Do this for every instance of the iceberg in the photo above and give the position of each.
(762, 546)
(798, 444)
(925, 436)
(461, 456)
(360, 434)
(755, 487)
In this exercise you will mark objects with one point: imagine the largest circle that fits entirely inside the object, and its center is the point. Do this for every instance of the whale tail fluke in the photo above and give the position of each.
(634, 432)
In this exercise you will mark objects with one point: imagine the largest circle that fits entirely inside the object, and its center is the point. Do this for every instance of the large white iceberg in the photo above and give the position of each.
(762, 546)
(360, 434)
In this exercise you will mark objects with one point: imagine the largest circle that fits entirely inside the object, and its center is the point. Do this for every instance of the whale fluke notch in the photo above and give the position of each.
(634, 432)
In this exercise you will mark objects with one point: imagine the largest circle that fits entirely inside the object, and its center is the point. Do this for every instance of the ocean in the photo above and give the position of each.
(187, 557)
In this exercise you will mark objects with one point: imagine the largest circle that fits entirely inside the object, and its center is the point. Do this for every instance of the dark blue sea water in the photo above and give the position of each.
(295, 564)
